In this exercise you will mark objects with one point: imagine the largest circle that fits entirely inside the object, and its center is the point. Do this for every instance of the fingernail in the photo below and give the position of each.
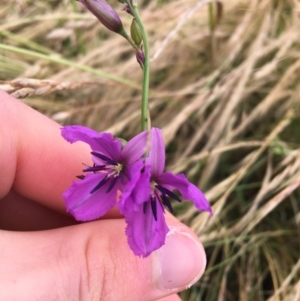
(181, 261)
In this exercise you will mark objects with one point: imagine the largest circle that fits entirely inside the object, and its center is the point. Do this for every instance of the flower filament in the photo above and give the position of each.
(160, 194)
(113, 170)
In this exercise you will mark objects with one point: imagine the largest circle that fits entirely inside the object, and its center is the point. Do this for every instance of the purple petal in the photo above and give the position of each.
(144, 233)
(137, 189)
(103, 143)
(135, 148)
(110, 146)
(188, 190)
(157, 153)
(86, 206)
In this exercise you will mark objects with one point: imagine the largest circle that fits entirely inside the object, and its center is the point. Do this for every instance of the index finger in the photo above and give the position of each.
(35, 160)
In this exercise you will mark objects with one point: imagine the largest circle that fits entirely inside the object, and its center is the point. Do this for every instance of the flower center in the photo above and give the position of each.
(111, 168)
(161, 195)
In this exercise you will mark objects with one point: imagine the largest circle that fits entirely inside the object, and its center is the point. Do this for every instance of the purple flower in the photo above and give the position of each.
(105, 14)
(138, 186)
(115, 167)
(143, 205)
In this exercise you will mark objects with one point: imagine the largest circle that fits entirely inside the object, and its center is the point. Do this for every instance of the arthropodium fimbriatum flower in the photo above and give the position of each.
(114, 168)
(143, 206)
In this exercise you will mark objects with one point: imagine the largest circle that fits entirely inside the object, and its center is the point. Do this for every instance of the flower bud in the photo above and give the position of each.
(140, 57)
(104, 13)
(126, 6)
(135, 32)
(127, 9)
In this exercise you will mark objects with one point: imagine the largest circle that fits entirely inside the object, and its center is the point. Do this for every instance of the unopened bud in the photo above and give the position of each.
(135, 32)
(127, 9)
(140, 57)
(104, 13)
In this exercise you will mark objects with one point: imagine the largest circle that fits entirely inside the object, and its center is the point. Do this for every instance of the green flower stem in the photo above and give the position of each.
(146, 67)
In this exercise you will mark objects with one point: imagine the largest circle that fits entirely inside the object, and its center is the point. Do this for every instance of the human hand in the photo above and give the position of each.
(45, 254)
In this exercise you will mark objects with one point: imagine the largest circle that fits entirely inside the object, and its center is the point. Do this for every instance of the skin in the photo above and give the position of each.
(44, 253)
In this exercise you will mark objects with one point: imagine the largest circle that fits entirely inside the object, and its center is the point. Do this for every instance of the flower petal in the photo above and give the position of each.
(104, 143)
(137, 189)
(157, 153)
(86, 206)
(144, 233)
(135, 148)
(188, 190)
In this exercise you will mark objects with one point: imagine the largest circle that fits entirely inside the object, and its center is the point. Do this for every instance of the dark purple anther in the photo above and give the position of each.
(112, 184)
(153, 206)
(167, 203)
(95, 168)
(81, 177)
(100, 156)
(99, 185)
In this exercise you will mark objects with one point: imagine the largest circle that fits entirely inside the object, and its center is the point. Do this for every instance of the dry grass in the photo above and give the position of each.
(226, 97)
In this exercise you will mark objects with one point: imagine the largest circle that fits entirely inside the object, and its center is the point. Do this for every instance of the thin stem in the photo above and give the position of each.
(211, 16)
(146, 67)
(212, 25)
(124, 34)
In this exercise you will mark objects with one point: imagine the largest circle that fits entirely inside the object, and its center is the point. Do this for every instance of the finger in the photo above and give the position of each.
(171, 298)
(19, 214)
(35, 160)
(92, 261)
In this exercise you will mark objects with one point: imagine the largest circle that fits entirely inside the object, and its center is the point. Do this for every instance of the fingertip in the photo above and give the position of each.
(181, 261)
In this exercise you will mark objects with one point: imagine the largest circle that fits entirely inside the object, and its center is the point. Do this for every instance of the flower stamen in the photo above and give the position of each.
(121, 178)
(167, 203)
(99, 185)
(104, 158)
(112, 184)
(153, 207)
(145, 207)
(95, 168)
(168, 192)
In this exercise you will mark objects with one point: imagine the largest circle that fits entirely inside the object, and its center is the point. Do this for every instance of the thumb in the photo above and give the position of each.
(92, 261)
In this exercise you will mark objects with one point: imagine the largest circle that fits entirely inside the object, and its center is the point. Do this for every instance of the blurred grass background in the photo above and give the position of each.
(225, 83)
